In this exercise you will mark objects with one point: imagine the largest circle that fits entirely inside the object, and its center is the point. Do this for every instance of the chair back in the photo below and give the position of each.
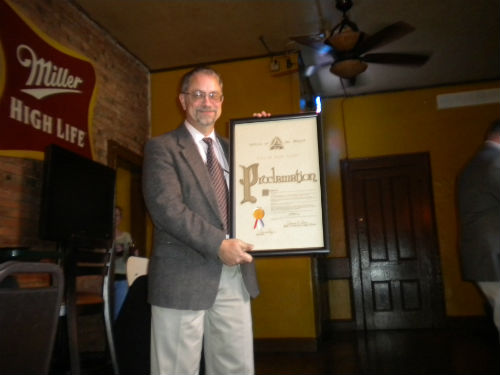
(85, 259)
(88, 257)
(28, 318)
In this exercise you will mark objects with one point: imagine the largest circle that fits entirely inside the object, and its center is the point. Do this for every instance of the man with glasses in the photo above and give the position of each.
(200, 281)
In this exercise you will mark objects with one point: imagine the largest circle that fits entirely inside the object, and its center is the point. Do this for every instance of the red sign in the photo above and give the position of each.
(46, 91)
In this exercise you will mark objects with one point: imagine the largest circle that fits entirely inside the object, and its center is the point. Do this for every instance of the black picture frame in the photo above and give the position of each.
(277, 183)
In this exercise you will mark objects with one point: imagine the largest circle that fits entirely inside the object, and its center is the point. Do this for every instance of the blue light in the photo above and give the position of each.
(318, 104)
(325, 50)
(303, 104)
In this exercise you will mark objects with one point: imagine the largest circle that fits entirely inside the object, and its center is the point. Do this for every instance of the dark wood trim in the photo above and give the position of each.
(320, 290)
(352, 243)
(338, 268)
(474, 323)
(340, 326)
(117, 153)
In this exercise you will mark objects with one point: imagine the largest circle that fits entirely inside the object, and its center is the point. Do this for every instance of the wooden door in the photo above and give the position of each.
(393, 242)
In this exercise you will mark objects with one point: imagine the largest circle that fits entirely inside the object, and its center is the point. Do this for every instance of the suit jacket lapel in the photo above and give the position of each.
(189, 150)
(225, 147)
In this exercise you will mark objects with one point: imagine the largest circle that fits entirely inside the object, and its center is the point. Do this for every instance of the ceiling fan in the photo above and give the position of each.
(345, 47)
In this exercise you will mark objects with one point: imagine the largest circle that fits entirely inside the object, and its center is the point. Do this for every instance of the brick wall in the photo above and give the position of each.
(121, 112)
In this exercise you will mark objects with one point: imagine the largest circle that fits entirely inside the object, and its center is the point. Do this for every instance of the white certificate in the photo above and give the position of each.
(277, 185)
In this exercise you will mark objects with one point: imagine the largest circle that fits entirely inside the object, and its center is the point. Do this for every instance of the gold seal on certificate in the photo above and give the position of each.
(277, 190)
(258, 214)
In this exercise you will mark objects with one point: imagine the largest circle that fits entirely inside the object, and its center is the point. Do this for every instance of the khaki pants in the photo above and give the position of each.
(224, 330)
(491, 290)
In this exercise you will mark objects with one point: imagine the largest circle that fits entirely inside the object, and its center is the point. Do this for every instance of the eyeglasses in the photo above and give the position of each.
(201, 95)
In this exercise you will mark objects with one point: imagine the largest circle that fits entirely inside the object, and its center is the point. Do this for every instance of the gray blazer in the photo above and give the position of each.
(479, 213)
(184, 270)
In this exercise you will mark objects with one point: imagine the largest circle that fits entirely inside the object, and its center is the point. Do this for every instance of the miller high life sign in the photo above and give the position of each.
(46, 91)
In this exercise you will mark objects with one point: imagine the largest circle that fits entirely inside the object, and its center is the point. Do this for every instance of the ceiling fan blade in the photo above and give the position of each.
(386, 35)
(396, 58)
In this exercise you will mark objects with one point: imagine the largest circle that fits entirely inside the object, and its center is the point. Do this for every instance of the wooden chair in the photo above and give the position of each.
(87, 257)
(28, 317)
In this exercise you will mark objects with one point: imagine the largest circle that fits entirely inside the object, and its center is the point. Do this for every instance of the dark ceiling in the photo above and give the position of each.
(461, 36)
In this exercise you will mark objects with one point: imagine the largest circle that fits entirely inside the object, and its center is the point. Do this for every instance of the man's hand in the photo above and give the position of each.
(234, 251)
(261, 114)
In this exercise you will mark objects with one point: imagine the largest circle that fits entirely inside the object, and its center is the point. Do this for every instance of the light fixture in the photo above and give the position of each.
(346, 34)
(344, 40)
(348, 68)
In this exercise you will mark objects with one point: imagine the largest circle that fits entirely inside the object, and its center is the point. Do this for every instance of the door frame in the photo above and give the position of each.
(119, 156)
(352, 234)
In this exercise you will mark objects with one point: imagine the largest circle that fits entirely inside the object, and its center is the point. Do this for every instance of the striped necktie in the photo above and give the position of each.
(218, 180)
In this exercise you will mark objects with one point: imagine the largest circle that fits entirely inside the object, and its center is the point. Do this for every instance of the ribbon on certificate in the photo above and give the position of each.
(258, 215)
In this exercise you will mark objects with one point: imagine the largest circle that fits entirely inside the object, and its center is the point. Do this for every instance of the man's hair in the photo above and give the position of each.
(493, 130)
(186, 79)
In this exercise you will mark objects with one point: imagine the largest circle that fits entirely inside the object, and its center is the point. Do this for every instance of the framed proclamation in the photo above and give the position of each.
(278, 195)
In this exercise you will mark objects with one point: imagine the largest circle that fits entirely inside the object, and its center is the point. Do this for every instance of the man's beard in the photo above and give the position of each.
(206, 118)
